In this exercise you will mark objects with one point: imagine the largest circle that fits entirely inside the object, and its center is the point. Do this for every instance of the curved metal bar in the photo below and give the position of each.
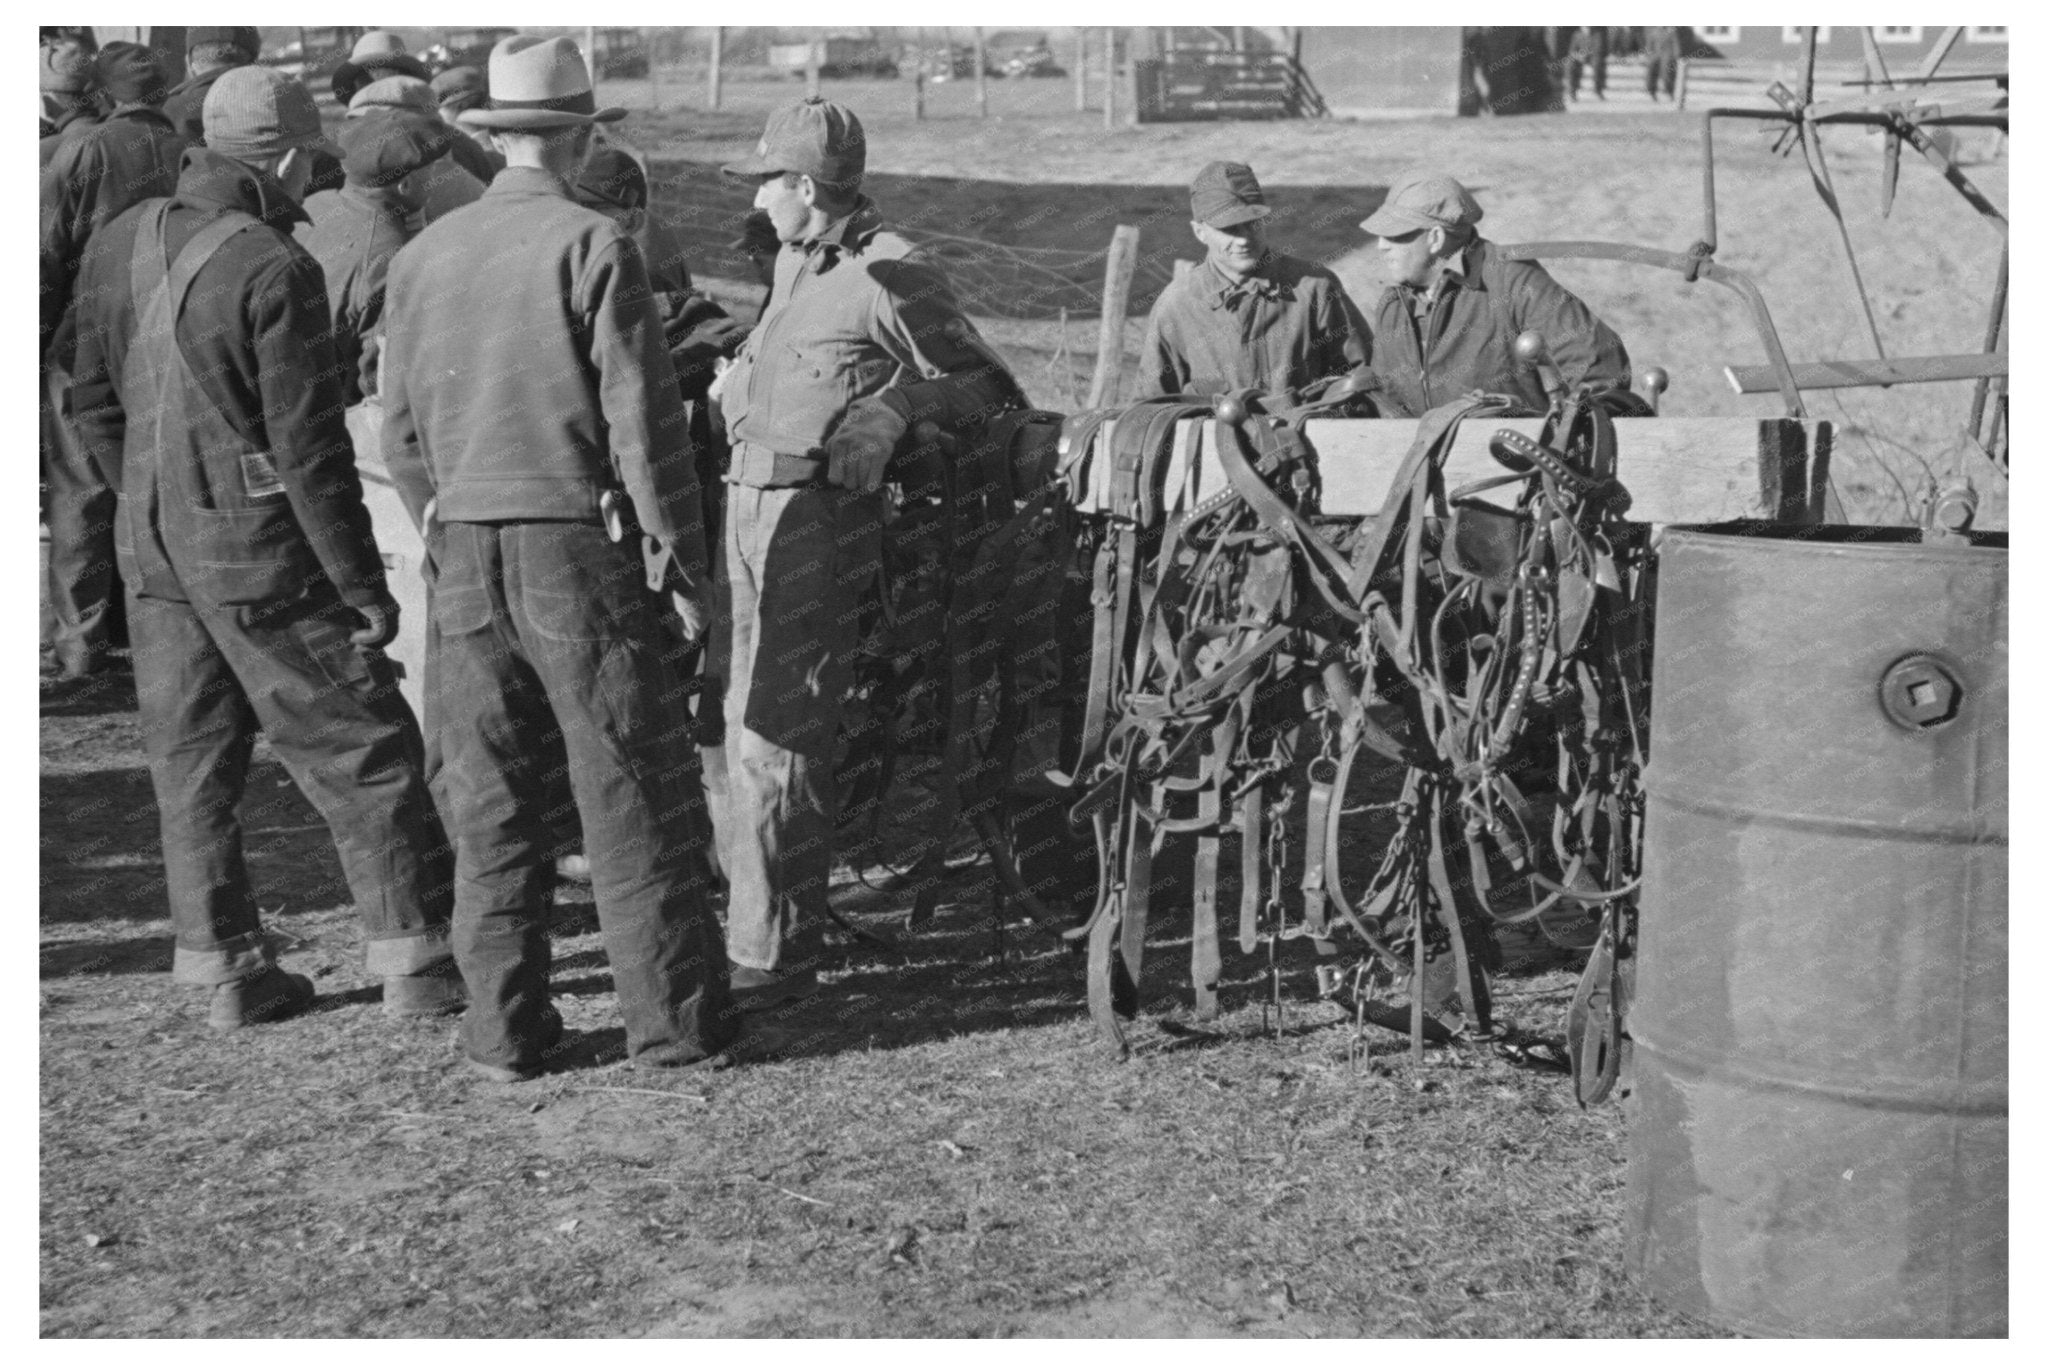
(1683, 263)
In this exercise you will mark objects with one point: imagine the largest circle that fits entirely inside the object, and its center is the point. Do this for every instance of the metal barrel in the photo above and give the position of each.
(1817, 1145)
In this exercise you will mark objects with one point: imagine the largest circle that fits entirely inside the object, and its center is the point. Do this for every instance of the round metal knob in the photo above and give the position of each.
(1656, 379)
(1530, 348)
(1230, 411)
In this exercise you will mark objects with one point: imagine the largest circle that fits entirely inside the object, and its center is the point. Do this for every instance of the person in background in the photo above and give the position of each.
(1661, 51)
(377, 54)
(1248, 316)
(1454, 307)
(459, 88)
(64, 77)
(529, 399)
(356, 230)
(256, 597)
(98, 172)
(1588, 51)
(439, 188)
(208, 53)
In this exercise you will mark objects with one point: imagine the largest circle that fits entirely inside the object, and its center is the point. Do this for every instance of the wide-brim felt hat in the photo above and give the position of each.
(539, 84)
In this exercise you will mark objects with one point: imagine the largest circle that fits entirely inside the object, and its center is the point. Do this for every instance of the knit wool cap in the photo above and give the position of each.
(1424, 201)
(129, 73)
(242, 36)
(66, 68)
(393, 92)
(254, 111)
(390, 144)
(815, 138)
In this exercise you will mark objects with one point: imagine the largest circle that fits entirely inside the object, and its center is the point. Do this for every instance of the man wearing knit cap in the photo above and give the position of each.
(1248, 316)
(208, 53)
(440, 188)
(862, 339)
(64, 76)
(99, 171)
(529, 401)
(357, 229)
(256, 597)
(459, 88)
(1448, 321)
(376, 55)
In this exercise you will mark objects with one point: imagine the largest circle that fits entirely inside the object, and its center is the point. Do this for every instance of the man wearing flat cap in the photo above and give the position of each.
(528, 397)
(1454, 306)
(208, 53)
(460, 88)
(99, 171)
(357, 229)
(861, 340)
(1248, 316)
(376, 55)
(207, 385)
(435, 190)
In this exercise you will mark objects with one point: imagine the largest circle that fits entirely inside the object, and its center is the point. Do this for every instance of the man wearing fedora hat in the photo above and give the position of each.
(256, 597)
(1248, 316)
(861, 339)
(529, 398)
(1447, 322)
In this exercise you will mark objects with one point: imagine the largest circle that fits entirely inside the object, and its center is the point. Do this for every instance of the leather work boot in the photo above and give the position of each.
(270, 995)
(513, 1073)
(436, 992)
(756, 989)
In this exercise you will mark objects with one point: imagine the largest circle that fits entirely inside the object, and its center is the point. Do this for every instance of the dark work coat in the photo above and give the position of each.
(100, 170)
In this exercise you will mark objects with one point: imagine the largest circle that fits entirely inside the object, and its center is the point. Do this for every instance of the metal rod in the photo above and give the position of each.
(1855, 374)
(1994, 333)
(1708, 238)
(1817, 165)
(1812, 53)
(1938, 53)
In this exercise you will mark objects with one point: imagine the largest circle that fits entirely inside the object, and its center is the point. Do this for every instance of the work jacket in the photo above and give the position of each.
(1431, 346)
(854, 312)
(353, 233)
(99, 171)
(60, 116)
(1277, 330)
(255, 474)
(185, 106)
(523, 370)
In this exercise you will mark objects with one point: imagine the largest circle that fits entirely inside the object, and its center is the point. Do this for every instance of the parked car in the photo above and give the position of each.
(836, 57)
(1018, 52)
(939, 61)
(464, 47)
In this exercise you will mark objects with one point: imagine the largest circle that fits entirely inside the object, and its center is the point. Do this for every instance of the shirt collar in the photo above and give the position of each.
(527, 180)
(1220, 291)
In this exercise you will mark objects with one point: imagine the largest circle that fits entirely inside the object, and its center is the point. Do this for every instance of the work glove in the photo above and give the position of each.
(859, 448)
(380, 623)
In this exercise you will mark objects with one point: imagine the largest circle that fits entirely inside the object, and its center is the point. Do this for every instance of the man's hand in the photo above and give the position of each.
(860, 446)
(689, 594)
(380, 624)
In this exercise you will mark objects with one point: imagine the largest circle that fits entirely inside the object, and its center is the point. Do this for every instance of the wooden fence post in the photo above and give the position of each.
(1109, 78)
(811, 62)
(717, 62)
(980, 75)
(1080, 70)
(1116, 301)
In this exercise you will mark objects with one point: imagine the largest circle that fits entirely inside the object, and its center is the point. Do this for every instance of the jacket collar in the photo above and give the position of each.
(849, 233)
(1466, 270)
(527, 180)
(142, 113)
(209, 181)
(1218, 290)
(389, 200)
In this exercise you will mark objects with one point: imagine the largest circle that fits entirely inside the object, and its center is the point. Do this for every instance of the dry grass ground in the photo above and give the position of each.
(937, 1144)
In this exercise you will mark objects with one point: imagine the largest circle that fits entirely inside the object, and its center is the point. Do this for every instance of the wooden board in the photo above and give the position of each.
(1677, 469)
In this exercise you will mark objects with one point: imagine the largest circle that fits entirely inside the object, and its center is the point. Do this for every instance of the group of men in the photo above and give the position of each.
(551, 389)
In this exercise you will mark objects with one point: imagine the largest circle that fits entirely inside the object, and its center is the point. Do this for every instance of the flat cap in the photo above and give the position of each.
(1424, 201)
(390, 144)
(815, 138)
(130, 74)
(460, 82)
(393, 92)
(243, 36)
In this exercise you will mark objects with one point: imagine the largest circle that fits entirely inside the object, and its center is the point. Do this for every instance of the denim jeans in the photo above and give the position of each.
(80, 578)
(547, 643)
(205, 678)
(799, 562)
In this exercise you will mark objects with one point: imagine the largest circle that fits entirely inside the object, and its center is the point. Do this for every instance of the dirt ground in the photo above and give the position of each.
(937, 1145)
